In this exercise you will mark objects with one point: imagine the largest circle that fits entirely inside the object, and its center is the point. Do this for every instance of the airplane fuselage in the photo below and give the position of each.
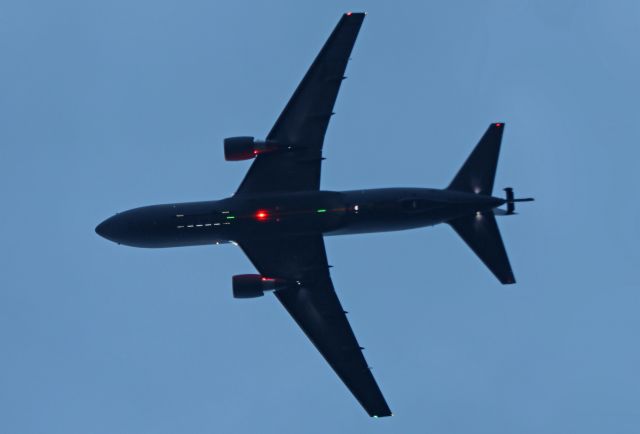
(244, 217)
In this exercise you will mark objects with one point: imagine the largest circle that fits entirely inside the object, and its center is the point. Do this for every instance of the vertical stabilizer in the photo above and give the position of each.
(477, 173)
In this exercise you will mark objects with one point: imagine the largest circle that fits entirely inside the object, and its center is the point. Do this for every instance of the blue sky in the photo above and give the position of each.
(112, 105)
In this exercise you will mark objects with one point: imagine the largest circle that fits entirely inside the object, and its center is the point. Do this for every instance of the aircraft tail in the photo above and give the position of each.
(480, 230)
(477, 173)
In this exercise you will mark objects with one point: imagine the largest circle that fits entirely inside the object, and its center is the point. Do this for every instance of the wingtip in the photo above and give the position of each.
(354, 14)
(509, 280)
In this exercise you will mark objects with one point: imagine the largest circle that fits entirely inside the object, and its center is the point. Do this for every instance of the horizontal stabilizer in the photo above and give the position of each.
(482, 235)
(477, 173)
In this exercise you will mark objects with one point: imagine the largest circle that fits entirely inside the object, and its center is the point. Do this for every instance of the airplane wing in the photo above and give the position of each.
(303, 122)
(314, 305)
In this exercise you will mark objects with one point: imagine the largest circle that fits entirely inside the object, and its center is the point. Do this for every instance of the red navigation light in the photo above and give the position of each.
(498, 125)
(262, 215)
(349, 14)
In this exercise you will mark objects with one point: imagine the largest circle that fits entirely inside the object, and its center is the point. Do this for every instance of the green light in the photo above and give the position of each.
(230, 217)
(321, 210)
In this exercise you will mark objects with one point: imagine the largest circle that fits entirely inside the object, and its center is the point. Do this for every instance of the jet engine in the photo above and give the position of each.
(254, 285)
(246, 147)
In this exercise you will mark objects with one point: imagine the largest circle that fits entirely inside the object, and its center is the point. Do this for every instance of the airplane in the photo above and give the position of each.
(279, 215)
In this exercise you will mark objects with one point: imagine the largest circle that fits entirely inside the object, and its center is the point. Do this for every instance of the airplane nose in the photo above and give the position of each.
(138, 227)
(111, 228)
(135, 227)
(101, 229)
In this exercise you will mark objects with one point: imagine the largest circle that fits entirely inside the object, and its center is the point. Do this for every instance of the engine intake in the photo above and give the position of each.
(255, 285)
(246, 147)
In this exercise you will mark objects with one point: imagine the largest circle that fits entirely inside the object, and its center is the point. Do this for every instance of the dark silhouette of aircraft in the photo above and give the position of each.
(279, 215)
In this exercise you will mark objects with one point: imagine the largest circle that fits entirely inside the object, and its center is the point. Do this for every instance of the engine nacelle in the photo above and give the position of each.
(254, 285)
(246, 147)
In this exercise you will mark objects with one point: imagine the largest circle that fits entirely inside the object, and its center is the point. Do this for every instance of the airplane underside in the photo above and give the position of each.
(279, 216)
